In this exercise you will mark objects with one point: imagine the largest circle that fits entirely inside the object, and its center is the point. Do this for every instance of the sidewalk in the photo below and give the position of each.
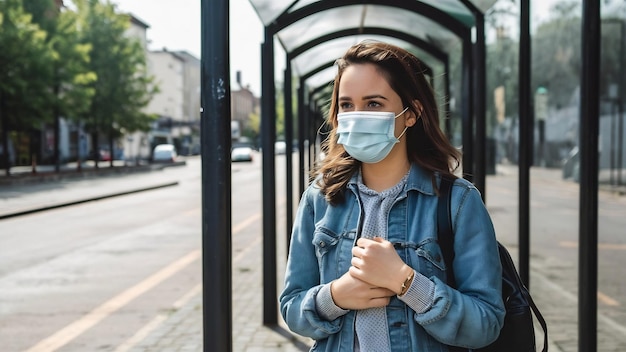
(24, 192)
(182, 329)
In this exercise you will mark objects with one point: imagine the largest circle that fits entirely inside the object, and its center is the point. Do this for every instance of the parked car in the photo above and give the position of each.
(241, 153)
(104, 155)
(280, 147)
(164, 153)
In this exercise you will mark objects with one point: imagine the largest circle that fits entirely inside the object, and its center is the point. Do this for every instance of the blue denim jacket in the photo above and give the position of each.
(323, 235)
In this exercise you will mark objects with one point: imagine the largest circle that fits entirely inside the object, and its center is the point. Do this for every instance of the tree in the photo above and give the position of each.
(280, 112)
(123, 86)
(502, 59)
(24, 57)
(556, 54)
(71, 79)
(253, 127)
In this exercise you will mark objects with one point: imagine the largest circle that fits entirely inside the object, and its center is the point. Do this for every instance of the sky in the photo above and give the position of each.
(175, 25)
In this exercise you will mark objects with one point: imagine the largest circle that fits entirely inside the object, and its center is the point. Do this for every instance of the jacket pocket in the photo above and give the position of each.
(333, 251)
(324, 241)
(428, 259)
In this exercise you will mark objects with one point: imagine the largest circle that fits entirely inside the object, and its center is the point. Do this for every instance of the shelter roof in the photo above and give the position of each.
(314, 33)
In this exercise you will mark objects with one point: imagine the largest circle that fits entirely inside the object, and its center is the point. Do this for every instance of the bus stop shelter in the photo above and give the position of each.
(449, 36)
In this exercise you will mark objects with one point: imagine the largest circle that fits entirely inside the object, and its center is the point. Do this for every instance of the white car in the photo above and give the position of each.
(164, 153)
(280, 147)
(241, 154)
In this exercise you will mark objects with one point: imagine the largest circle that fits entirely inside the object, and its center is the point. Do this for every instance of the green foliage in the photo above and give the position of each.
(77, 64)
(613, 56)
(280, 113)
(556, 59)
(71, 78)
(123, 86)
(253, 127)
(25, 68)
(502, 71)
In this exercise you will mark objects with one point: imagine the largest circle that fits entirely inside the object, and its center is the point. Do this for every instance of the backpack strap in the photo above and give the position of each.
(445, 235)
(541, 321)
(444, 227)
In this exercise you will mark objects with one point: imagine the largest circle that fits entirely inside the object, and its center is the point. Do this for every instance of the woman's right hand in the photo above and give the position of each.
(351, 293)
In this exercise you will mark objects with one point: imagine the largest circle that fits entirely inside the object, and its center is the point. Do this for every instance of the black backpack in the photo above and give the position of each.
(517, 334)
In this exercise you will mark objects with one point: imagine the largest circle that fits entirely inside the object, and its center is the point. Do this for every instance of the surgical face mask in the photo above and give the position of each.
(368, 136)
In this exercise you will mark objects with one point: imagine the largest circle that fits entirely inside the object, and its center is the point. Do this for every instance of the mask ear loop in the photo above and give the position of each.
(403, 131)
(405, 127)
(401, 112)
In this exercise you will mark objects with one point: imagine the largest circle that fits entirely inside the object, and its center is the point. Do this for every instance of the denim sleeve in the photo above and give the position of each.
(302, 279)
(472, 315)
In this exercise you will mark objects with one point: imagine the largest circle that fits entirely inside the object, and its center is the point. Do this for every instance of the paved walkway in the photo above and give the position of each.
(182, 330)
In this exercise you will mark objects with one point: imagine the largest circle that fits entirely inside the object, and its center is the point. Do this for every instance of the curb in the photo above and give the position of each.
(73, 174)
(86, 200)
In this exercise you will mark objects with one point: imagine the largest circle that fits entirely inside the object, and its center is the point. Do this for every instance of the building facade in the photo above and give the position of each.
(244, 105)
(167, 103)
(190, 143)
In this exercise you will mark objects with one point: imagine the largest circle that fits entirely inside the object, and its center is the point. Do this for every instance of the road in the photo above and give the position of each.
(70, 278)
(554, 217)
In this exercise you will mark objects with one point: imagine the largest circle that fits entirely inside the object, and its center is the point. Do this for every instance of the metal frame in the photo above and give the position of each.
(216, 166)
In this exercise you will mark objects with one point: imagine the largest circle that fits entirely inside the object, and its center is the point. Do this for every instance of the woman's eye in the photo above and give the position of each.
(345, 106)
(373, 104)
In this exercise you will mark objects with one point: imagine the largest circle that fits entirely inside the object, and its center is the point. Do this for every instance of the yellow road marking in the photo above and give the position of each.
(607, 246)
(71, 331)
(78, 327)
(607, 300)
(242, 225)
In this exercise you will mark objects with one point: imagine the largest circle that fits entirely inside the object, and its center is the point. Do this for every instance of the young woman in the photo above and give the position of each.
(365, 272)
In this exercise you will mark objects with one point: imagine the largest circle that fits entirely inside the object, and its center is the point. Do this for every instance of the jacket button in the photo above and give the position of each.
(322, 244)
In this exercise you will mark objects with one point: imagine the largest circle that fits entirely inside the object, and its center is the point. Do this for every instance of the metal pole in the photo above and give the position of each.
(480, 168)
(620, 140)
(612, 140)
(268, 138)
(307, 127)
(588, 219)
(6, 159)
(620, 110)
(301, 137)
(525, 140)
(287, 92)
(467, 111)
(216, 177)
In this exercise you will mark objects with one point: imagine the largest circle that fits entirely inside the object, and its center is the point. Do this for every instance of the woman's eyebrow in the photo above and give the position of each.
(374, 96)
(367, 97)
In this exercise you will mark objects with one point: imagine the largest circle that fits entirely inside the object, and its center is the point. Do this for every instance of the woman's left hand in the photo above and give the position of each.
(376, 262)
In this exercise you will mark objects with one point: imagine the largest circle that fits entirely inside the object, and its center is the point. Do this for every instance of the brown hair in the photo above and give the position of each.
(426, 144)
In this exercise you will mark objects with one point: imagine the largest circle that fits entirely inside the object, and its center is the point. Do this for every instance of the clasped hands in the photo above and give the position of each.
(376, 275)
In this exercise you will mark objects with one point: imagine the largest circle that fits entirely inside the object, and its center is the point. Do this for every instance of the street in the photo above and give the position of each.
(554, 252)
(106, 268)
